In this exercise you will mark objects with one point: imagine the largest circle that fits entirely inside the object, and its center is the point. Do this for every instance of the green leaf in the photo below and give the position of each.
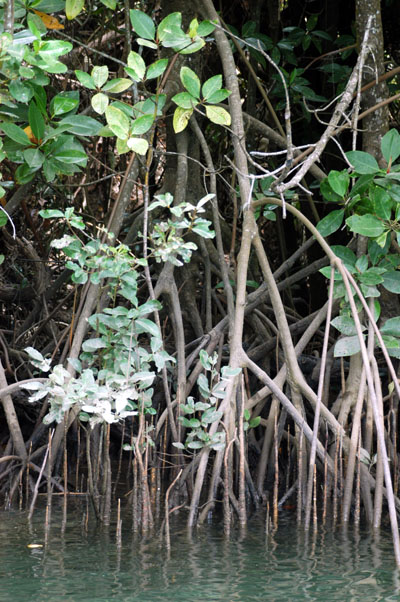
(329, 194)
(36, 121)
(118, 122)
(25, 174)
(15, 133)
(73, 8)
(372, 277)
(36, 25)
(345, 325)
(186, 46)
(115, 86)
(382, 202)
(50, 49)
(20, 91)
(85, 79)
(218, 115)
(81, 125)
(137, 65)
(111, 4)
(391, 327)
(99, 75)
(99, 102)
(347, 346)
(142, 24)
(138, 145)
(205, 28)
(181, 119)
(390, 145)
(367, 225)
(156, 69)
(93, 345)
(70, 155)
(210, 416)
(345, 254)
(50, 213)
(331, 222)
(339, 182)
(363, 163)
(218, 96)
(33, 157)
(145, 325)
(185, 100)
(147, 43)
(211, 85)
(362, 263)
(61, 104)
(170, 25)
(141, 125)
(391, 282)
(190, 81)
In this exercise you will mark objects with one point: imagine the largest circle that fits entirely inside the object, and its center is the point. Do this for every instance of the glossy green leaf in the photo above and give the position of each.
(85, 79)
(218, 96)
(20, 91)
(367, 225)
(148, 43)
(115, 86)
(339, 182)
(36, 25)
(331, 222)
(36, 120)
(211, 85)
(145, 325)
(138, 145)
(141, 125)
(137, 65)
(391, 282)
(61, 104)
(190, 81)
(99, 75)
(156, 69)
(142, 24)
(15, 133)
(218, 115)
(185, 100)
(81, 125)
(73, 8)
(33, 157)
(186, 46)
(363, 163)
(181, 119)
(390, 145)
(205, 28)
(51, 49)
(171, 24)
(111, 4)
(118, 122)
(99, 102)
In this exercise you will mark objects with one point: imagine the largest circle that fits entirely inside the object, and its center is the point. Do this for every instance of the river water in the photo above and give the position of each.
(86, 564)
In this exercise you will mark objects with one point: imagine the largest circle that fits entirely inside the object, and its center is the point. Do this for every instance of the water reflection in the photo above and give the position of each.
(82, 564)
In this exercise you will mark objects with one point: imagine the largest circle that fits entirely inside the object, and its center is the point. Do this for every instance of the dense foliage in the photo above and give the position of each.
(178, 187)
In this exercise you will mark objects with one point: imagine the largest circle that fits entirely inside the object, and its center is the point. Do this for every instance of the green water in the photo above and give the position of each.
(87, 565)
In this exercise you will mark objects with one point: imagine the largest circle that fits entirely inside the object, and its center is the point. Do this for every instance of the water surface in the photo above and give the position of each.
(87, 564)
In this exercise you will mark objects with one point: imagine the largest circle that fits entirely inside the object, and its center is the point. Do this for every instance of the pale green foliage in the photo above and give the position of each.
(198, 416)
(124, 351)
(166, 237)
